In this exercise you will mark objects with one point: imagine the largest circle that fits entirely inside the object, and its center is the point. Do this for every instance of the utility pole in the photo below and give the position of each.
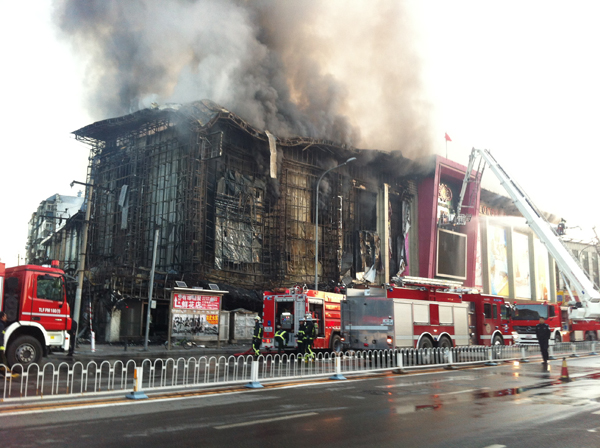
(81, 267)
(151, 288)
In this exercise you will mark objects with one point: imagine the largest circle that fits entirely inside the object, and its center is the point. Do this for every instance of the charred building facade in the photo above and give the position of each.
(234, 206)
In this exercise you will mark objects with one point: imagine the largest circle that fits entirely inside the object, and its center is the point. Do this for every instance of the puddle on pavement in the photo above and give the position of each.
(438, 401)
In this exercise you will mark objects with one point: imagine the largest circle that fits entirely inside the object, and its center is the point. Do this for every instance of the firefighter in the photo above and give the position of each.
(3, 320)
(310, 333)
(280, 338)
(301, 335)
(257, 336)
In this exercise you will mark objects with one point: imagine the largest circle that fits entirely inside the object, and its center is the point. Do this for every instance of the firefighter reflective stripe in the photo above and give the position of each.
(280, 334)
(2, 348)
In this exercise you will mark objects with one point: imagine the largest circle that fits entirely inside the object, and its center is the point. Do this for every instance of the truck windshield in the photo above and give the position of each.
(50, 288)
(530, 312)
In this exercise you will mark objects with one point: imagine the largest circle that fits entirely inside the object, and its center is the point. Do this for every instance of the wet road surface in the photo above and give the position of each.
(508, 405)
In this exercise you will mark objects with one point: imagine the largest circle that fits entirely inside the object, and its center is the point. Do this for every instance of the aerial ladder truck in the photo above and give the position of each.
(581, 320)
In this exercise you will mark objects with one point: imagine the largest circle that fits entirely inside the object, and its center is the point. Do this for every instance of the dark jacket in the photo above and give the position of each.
(2, 331)
(258, 330)
(542, 332)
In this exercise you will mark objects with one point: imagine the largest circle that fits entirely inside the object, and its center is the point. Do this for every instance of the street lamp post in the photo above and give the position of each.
(351, 159)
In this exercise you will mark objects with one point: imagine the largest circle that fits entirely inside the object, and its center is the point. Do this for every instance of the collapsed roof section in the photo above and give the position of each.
(201, 115)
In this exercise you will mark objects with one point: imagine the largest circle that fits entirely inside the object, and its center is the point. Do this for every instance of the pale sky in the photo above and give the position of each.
(521, 78)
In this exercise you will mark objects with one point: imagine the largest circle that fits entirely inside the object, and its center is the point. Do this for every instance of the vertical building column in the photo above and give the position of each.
(485, 259)
(510, 262)
(383, 230)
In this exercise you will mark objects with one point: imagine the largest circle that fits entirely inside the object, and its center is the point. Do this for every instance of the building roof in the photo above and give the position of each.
(202, 114)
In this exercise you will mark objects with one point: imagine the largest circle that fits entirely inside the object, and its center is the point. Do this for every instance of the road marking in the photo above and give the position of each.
(496, 446)
(597, 412)
(467, 392)
(266, 420)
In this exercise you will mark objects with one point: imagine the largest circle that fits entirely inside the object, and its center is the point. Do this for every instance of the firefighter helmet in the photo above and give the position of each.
(308, 316)
(257, 318)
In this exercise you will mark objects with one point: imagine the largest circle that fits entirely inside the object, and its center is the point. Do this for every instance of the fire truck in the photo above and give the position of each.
(35, 302)
(421, 313)
(576, 322)
(286, 306)
(441, 313)
(526, 316)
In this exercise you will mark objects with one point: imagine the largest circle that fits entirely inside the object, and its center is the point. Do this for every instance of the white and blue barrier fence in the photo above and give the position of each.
(136, 379)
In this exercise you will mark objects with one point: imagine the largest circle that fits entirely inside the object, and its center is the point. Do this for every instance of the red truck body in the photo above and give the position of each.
(35, 302)
(421, 313)
(526, 315)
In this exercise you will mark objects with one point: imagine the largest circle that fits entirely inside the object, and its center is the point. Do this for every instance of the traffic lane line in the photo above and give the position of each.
(266, 420)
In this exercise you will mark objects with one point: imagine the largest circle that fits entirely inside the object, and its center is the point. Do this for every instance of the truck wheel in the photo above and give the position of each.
(591, 336)
(24, 350)
(557, 338)
(336, 343)
(425, 342)
(444, 342)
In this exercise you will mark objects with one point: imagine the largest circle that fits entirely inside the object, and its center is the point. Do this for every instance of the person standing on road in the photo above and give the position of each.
(301, 335)
(72, 337)
(280, 337)
(257, 336)
(542, 331)
(309, 336)
(3, 320)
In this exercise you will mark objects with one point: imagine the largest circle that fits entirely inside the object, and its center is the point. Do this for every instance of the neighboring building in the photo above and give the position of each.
(54, 231)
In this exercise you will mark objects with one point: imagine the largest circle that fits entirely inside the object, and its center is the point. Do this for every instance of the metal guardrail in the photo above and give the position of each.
(177, 374)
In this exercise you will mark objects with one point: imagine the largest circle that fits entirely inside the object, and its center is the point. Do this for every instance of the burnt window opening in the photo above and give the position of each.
(211, 145)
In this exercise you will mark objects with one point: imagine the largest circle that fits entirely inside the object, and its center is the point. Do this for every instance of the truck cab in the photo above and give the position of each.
(35, 302)
(489, 319)
(525, 317)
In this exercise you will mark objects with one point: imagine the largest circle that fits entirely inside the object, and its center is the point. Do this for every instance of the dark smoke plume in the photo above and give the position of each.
(333, 69)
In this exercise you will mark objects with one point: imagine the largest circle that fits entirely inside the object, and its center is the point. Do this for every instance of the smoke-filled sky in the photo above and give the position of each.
(518, 78)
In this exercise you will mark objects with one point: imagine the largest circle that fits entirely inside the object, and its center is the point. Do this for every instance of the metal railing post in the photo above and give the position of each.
(137, 394)
(491, 361)
(254, 384)
(523, 356)
(574, 349)
(338, 370)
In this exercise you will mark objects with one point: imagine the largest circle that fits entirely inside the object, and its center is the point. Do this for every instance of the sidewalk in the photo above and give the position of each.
(118, 351)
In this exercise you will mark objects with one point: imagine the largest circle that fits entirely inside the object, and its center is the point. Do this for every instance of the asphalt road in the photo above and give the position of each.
(508, 405)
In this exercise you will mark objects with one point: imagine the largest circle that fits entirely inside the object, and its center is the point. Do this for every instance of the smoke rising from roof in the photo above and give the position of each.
(339, 70)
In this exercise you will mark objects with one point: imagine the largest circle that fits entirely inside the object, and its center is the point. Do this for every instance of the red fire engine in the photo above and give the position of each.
(420, 313)
(526, 315)
(286, 307)
(35, 302)
(444, 315)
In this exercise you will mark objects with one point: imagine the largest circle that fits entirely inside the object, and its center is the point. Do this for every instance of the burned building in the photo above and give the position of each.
(235, 206)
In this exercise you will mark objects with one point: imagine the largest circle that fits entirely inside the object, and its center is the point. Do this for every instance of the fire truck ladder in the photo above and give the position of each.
(567, 264)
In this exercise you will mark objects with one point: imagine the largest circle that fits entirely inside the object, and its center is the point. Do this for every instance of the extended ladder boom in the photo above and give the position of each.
(588, 295)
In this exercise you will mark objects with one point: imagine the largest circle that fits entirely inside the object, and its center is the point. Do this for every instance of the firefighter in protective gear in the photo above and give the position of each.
(3, 361)
(310, 333)
(3, 320)
(301, 335)
(257, 336)
(280, 338)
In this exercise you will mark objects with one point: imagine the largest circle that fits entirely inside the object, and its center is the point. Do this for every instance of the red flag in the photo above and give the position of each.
(448, 139)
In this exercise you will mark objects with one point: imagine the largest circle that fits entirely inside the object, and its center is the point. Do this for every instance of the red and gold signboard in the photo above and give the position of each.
(196, 302)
